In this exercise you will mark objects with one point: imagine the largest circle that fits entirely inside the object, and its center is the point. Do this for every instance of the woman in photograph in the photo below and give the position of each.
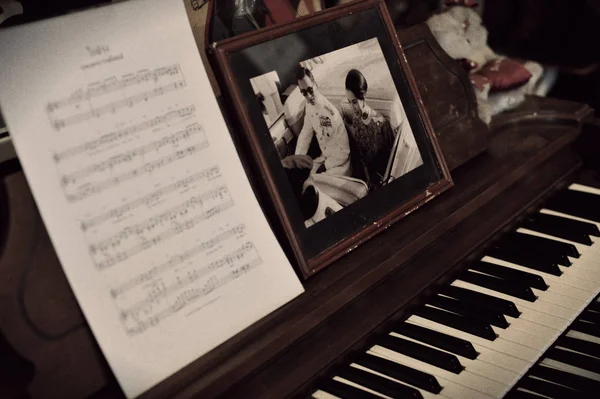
(371, 135)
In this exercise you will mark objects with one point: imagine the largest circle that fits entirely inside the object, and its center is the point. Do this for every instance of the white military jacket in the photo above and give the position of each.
(324, 120)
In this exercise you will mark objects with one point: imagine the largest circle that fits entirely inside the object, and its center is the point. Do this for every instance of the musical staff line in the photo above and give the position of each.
(178, 260)
(92, 189)
(191, 295)
(117, 136)
(208, 173)
(190, 277)
(165, 235)
(82, 99)
(104, 88)
(129, 156)
(170, 215)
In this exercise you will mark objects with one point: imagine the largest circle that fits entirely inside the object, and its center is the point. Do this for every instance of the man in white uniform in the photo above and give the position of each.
(324, 120)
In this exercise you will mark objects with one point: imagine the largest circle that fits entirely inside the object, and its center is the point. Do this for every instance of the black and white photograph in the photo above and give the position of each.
(333, 125)
(339, 128)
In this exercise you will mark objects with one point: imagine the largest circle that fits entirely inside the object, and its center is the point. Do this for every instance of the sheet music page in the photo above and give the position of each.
(139, 185)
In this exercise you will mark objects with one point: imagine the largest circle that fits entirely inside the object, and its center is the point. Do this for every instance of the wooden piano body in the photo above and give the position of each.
(48, 351)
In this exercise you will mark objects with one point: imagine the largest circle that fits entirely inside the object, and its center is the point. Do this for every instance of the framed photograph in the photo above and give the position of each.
(330, 118)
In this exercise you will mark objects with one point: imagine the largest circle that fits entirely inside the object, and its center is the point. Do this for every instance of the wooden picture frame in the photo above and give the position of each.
(356, 36)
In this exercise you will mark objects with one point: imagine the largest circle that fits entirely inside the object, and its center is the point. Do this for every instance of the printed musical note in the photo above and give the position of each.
(113, 95)
(131, 155)
(113, 138)
(208, 174)
(134, 239)
(237, 231)
(87, 190)
(163, 298)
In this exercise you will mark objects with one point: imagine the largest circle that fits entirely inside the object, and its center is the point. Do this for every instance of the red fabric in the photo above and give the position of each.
(505, 74)
(282, 11)
(479, 81)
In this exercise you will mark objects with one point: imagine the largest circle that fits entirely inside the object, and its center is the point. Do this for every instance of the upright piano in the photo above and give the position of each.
(489, 291)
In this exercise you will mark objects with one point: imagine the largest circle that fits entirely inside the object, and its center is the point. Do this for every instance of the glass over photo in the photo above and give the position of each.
(340, 128)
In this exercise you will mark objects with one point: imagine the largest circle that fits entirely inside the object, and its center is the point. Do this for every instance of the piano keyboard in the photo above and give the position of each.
(522, 322)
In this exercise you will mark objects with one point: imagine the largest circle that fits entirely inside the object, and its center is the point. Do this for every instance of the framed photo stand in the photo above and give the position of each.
(333, 126)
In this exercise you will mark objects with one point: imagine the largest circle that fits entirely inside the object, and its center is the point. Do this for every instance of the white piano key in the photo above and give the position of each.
(324, 395)
(543, 332)
(553, 295)
(572, 297)
(563, 348)
(581, 248)
(499, 346)
(559, 293)
(583, 336)
(501, 360)
(585, 273)
(566, 278)
(477, 366)
(588, 260)
(588, 256)
(424, 393)
(521, 337)
(570, 369)
(588, 253)
(363, 388)
(567, 216)
(533, 393)
(529, 310)
(568, 282)
(463, 385)
(552, 308)
(584, 189)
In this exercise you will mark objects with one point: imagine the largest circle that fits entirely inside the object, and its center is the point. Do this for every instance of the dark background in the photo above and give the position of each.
(283, 55)
(558, 32)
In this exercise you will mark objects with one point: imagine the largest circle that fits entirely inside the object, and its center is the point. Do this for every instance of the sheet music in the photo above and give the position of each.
(139, 185)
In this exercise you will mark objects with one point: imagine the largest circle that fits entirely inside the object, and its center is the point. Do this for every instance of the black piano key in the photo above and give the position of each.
(533, 247)
(595, 306)
(579, 345)
(587, 328)
(516, 394)
(574, 381)
(524, 253)
(378, 384)
(525, 260)
(399, 372)
(437, 339)
(548, 245)
(511, 288)
(492, 317)
(576, 203)
(592, 317)
(531, 279)
(588, 178)
(548, 388)
(567, 229)
(344, 391)
(463, 323)
(423, 353)
(574, 359)
(506, 307)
